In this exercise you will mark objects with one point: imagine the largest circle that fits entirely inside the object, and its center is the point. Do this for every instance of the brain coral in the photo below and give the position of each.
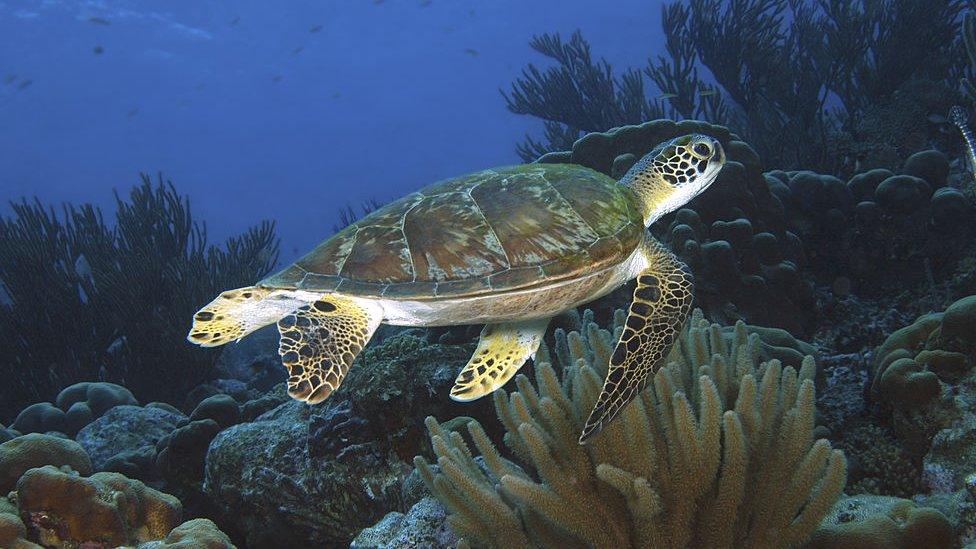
(36, 450)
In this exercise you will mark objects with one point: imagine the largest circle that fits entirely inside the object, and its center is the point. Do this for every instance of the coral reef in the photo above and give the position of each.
(128, 290)
(674, 471)
(13, 533)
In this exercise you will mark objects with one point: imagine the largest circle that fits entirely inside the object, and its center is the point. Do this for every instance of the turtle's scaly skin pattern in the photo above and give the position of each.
(489, 232)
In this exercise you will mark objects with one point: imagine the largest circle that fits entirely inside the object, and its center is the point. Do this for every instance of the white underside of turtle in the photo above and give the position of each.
(322, 332)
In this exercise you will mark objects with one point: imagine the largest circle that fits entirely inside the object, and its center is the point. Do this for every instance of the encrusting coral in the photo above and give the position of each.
(719, 453)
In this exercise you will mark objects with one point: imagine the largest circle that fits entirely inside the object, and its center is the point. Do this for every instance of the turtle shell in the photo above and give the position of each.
(493, 231)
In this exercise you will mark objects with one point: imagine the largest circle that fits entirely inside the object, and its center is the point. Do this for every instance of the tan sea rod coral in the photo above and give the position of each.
(718, 453)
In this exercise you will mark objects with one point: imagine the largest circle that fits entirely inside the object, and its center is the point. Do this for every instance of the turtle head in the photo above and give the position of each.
(673, 173)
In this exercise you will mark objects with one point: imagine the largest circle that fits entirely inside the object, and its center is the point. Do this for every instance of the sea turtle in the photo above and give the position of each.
(508, 247)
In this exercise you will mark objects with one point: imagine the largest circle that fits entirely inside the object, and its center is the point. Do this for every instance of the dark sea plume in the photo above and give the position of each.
(84, 299)
(830, 86)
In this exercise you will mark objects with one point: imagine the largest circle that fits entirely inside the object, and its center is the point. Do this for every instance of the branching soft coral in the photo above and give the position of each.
(718, 453)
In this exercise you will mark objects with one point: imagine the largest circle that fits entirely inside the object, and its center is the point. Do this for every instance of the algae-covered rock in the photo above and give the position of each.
(882, 522)
(125, 429)
(36, 450)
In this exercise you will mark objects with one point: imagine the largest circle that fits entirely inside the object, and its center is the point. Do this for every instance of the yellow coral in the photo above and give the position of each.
(719, 453)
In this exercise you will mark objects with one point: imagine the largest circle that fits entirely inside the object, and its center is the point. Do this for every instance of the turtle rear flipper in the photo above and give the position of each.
(661, 304)
(502, 350)
(320, 341)
(236, 313)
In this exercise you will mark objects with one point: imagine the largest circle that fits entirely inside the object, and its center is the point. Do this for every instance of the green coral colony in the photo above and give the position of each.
(508, 247)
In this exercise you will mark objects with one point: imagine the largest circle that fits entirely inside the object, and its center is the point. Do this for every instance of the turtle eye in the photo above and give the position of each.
(702, 149)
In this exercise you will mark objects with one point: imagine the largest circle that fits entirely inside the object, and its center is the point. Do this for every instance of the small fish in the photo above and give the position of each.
(471, 51)
(424, 3)
(960, 118)
(336, 95)
(9, 79)
(98, 50)
(377, 2)
(24, 84)
(82, 268)
(936, 118)
(200, 87)
(132, 112)
(276, 78)
(667, 96)
(99, 21)
(315, 29)
(235, 21)
(298, 50)
(116, 345)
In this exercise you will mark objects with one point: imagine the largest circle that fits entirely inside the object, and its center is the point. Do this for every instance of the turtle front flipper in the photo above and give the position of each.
(319, 342)
(236, 313)
(502, 350)
(661, 303)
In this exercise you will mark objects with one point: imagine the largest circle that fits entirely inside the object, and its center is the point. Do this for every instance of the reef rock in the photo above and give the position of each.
(301, 476)
(425, 525)
(122, 430)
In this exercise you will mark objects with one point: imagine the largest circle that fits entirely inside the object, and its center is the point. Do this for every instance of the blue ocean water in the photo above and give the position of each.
(286, 111)
(726, 297)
